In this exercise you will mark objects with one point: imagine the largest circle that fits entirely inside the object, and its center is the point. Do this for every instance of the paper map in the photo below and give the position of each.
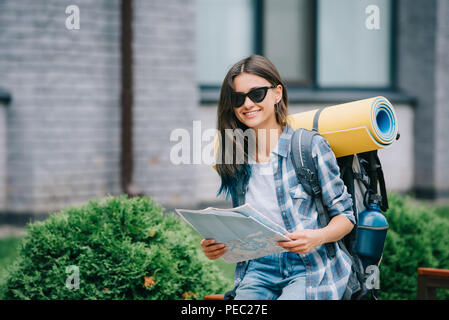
(246, 232)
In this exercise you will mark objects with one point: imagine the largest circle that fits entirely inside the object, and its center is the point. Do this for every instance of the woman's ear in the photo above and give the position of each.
(278, 91)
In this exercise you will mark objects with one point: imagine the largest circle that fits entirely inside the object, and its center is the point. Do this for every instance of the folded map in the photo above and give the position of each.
(247, 233)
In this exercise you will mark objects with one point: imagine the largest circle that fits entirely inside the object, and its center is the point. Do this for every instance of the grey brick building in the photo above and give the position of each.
(60, 91)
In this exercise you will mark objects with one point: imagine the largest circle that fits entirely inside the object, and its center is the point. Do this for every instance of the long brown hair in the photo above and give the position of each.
(226, 119)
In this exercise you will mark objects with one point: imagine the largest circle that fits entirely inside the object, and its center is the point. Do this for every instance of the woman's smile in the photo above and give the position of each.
(251, 114)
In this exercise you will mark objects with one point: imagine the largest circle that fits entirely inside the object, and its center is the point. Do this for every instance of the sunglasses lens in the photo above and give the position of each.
(238, 99)
(258, 95)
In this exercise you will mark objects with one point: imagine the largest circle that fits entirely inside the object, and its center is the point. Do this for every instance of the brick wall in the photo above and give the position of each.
(63, 124)
(442, 101)
(416, 68)
(64, 120)
(423, 68)
(165, 96)
(3, 156)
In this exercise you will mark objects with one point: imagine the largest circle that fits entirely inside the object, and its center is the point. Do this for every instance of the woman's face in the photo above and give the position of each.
(257, 115)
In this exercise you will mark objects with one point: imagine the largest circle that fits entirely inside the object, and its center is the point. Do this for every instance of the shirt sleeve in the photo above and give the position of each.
(334, 192)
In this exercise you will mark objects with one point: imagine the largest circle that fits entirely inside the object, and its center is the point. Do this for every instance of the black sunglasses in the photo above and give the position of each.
(256, 95)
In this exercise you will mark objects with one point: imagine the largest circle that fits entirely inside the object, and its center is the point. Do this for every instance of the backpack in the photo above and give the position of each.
(361, 173)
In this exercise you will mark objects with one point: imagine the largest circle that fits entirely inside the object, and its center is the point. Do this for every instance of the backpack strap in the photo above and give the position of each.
(382, 187)
(316, 119)
(348, 175)
(301, 153)
(376, 177)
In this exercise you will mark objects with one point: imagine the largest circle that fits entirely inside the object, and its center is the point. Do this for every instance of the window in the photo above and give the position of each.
(225, 35)
(349, 54)
(288, 39)
(313, 43)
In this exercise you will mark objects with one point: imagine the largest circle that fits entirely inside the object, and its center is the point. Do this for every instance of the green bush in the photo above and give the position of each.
(123, 248)
(417, 237)
(9, 248)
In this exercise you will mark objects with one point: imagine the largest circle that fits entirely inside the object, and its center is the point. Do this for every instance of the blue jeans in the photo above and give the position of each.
(278, 276)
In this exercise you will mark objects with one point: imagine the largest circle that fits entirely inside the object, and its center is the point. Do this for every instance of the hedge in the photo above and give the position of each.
(417, 237)
(122, 249)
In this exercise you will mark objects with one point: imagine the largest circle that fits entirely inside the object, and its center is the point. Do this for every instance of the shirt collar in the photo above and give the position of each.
(283, 146)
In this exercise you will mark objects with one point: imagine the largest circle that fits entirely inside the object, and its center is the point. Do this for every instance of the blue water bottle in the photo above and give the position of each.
(371, 233)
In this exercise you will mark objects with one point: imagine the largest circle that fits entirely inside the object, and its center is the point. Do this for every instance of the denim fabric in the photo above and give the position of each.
(279, 276)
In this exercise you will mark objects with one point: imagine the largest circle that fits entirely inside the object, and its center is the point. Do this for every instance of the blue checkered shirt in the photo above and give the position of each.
(326, 277)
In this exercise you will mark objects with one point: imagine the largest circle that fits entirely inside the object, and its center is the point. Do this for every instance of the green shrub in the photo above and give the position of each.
(9, 248)
(123, 248)
(417, 237)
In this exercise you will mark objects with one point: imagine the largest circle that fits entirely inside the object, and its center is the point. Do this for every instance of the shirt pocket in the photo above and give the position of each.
(301, 202)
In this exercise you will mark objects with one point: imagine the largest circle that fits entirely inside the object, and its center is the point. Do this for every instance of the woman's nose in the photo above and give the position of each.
(248, 102)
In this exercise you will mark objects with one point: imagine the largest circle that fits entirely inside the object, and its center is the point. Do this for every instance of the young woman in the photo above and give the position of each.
(253, 96)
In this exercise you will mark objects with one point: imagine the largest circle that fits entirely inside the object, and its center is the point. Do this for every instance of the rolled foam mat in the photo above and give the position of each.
(353, 127)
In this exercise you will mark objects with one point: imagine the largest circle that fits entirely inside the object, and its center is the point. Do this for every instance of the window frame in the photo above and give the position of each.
(314, 92)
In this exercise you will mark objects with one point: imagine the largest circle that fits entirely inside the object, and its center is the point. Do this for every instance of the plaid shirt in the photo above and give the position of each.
(326, 277)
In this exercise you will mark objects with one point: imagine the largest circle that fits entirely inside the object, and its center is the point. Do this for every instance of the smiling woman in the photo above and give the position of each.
(253, 96)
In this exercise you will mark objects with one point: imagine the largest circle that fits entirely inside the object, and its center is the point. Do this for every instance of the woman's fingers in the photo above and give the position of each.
(211, 249)
(214, 247)
(291, 244)
(210, 245)
(297, 246)
(207, 242)
(216, 254)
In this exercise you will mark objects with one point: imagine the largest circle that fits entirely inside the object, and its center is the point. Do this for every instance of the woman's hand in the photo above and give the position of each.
(211, 249)
(303, 241)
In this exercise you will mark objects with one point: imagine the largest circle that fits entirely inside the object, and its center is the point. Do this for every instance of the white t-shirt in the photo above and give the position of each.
(261, 192)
